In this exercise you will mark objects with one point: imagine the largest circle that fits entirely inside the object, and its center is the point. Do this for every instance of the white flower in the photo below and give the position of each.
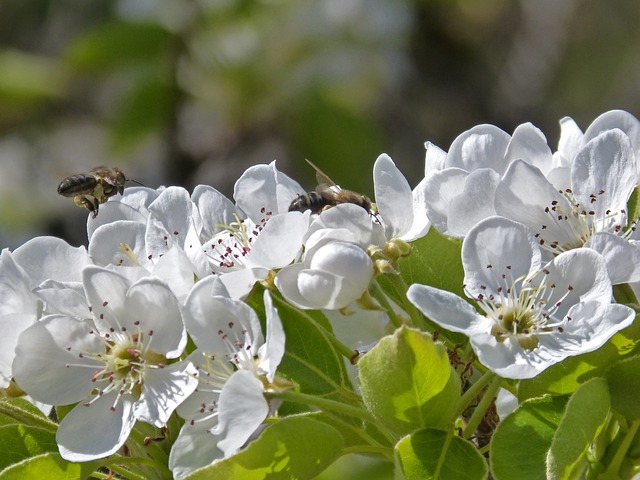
(592, 212)
(335, 271)
(236, 367)
(462, 193)
(533, 317)
(117, 366)
(258, 234)
(402, 210)
(32, 267)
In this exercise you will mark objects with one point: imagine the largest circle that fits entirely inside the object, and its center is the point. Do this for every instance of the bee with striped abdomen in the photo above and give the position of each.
(327, 194)
(89, 190)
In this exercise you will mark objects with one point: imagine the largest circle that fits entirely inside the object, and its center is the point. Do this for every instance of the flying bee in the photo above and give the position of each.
(327, 194)
(91, 189)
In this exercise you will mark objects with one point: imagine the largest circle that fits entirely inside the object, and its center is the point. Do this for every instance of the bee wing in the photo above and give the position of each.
(321, 177)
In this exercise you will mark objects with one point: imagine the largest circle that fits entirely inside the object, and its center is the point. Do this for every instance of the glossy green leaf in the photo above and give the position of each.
(435, 454)
(402, 377)
(295, 447)
(310, 359)
(521, 441)
(49, 466)
(585, 415)
(436, 261)
(624, 386)
(19, 442)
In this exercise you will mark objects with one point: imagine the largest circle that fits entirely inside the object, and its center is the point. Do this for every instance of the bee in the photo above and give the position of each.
(327, 194)
(91, 189)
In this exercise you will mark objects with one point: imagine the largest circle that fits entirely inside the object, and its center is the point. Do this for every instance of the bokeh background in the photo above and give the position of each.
(182, 92)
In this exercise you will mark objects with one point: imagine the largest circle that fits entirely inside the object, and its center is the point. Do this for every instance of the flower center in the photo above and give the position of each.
(525, 310)
(228, 248)
(578, 224)
(125, 359)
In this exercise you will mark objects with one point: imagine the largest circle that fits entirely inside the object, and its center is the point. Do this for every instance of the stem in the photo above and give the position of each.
(381, 297)
(483, 406)
(117, 466)
(613, 470)
(474, 391)
(324, 403)
(26, 417)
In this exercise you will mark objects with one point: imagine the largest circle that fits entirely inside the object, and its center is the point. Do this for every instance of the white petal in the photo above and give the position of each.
(591, 325)
(238, 284)
(569, 142)
(496, 253)
(582, 272)
(242, 409)
(262, 189)
(206, 316)
(163, 390)
(66, 298)
(623, 257)
(286, 282)
(279, 243)
(482, 146)
(114, 211)
(15, 287)
(523, 195)
(47, 365)
(106, 246)
(441, 189)
(272, 351)
(49, 257)
(508, 359)
(434, 159)
(605, 167)
(393, 197)
(92, 432)
(420, 226)
(215, 209)
(194, 448)
(106, 291)
(616, 119)
(448, 310)
(152, 307)
(349, 217)
(528, 143)
(474, 203)
(11, 325)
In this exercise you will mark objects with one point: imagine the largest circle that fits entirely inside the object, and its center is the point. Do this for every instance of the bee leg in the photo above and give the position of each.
(90, 204)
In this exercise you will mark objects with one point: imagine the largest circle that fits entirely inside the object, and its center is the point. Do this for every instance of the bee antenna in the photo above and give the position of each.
(135, 181)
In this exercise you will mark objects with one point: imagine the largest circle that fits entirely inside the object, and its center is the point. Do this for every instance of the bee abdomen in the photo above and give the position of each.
(313, 201)
(77, 184)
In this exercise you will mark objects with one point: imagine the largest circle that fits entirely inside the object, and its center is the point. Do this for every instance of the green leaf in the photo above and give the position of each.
(520, 442)
(50, 466)
(406, 381)
(435, 454)
(436, 261)
(624, 386)
(294, 447)
(116, 43)
(310, 359)
(19, 442)
(585, 415)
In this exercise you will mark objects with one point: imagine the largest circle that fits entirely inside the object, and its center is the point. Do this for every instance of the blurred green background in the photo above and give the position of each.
(182, 92)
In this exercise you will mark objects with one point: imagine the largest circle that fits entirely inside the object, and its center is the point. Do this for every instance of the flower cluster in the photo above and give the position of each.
(208, 318)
